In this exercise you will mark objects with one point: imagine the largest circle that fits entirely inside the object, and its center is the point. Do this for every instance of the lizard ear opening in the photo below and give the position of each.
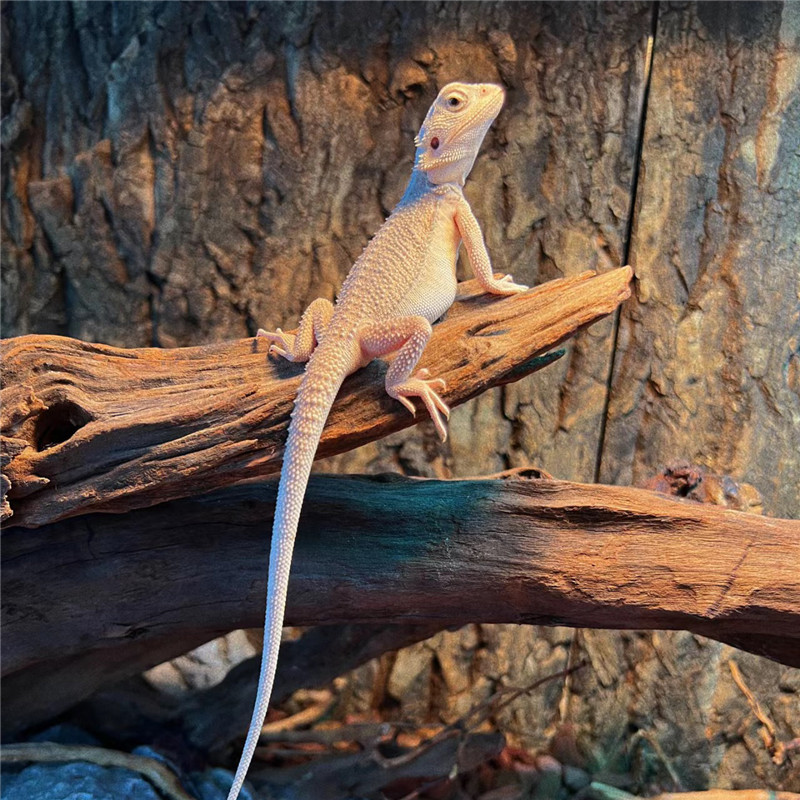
(435, 143)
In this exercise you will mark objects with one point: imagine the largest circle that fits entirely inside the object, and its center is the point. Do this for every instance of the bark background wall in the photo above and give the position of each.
(178, 173)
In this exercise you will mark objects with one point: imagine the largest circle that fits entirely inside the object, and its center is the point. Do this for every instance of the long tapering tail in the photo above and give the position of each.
(314, 400)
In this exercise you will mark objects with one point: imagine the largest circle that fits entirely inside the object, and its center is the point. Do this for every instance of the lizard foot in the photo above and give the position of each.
(506, 285)
(419, 386)
(281, 343)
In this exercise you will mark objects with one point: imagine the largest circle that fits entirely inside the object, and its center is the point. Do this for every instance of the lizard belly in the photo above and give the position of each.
(436, 288)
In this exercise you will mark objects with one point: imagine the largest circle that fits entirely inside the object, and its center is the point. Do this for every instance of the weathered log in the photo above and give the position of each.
(125, 714)
(94, 428)
(379, 550)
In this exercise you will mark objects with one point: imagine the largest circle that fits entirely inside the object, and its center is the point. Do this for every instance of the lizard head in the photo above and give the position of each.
(451, 135)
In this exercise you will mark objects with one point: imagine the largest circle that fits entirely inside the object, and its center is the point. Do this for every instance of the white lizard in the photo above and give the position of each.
(403, 281)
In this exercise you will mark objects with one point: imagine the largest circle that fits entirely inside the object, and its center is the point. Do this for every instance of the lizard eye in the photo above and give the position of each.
(435, 143)
(456, 101)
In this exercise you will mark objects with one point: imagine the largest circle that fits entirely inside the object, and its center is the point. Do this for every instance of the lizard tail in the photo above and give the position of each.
(314, 400)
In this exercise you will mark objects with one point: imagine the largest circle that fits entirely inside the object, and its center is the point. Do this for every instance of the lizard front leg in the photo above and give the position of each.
(408, 336)
(299, 346)
(478, 256)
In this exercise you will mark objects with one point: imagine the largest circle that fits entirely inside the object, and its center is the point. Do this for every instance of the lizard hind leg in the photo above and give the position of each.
(299, 346)
(407, 336)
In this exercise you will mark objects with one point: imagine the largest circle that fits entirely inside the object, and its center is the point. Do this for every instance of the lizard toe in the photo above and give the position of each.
(419, 387)
(407, 403)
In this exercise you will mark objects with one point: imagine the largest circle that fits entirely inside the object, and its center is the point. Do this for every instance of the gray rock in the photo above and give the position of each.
(213, 784)
(575, 778)
(77, 781)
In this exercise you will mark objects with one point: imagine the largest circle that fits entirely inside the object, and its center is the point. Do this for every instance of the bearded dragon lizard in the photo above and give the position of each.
(403, 281)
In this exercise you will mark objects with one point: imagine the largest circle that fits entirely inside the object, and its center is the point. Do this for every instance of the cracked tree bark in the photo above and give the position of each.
(708, 364)
(177, 174)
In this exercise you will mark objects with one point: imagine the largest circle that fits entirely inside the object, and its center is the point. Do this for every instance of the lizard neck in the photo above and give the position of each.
(420, 185)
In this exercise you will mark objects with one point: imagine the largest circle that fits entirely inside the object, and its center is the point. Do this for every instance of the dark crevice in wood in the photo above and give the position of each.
(626, 259)
(59, 423)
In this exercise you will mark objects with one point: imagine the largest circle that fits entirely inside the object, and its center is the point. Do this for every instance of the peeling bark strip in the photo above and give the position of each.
(385, 550)
(94, 428)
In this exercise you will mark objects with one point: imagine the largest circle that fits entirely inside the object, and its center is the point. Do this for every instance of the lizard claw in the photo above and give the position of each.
(422, 388)
(408, 404)
(506, 285)
(280, 342)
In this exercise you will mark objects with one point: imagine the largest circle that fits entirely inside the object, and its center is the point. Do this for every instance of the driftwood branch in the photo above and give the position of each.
(212, 720)
(88, 427)
(385, 550)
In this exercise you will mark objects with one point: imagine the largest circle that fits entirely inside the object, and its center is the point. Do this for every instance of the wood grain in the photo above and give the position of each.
(386, 550)
(95, 428)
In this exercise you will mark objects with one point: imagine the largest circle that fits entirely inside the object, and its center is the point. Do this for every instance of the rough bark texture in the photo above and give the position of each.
(176, 174)
(708, 363)
(185, 173)
(96, 428)
(539, 552)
